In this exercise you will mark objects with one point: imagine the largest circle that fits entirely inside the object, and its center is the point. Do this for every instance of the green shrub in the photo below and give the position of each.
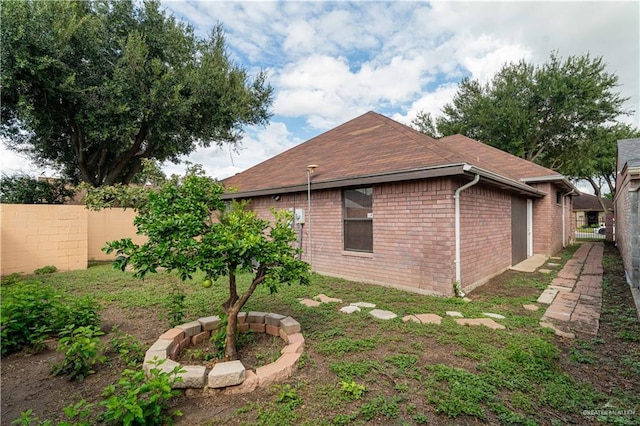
(11, 279)
(49, 269)
(27, 418)
(128, 348)
(141, 400)
(27, 312)
(81, 347)
(32, 312)
(78, 312)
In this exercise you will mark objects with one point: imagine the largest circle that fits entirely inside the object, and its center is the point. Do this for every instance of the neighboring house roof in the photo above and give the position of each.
(373, 149)
(628, 153)
(588, 202)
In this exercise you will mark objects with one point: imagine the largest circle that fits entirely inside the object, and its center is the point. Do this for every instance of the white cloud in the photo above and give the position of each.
(330, 61)
(257, 145)
(12, 163)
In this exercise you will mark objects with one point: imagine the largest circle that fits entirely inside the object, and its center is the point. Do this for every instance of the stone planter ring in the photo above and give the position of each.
(228, 377)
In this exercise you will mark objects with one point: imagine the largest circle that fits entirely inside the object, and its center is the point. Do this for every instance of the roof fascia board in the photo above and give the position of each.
(521, 187)
(423, 173)
(560, 179)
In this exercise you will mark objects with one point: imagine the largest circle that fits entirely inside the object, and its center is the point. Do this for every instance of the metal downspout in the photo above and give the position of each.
(457, 221)
(564, 232)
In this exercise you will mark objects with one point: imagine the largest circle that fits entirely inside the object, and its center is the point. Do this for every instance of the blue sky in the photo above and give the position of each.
(332, 61)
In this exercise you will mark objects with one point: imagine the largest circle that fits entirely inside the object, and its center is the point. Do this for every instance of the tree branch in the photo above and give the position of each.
(122, 161)
(78, 142)
(259, 279)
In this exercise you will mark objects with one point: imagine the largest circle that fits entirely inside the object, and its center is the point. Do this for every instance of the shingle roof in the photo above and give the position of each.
(375, 145)
(589, 202)
(628, 153)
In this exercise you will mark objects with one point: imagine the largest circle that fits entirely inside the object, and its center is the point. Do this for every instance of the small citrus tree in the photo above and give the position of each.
(189, 228)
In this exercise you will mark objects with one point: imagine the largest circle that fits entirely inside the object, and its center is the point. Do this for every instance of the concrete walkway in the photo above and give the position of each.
(530, 264)
(575, 295)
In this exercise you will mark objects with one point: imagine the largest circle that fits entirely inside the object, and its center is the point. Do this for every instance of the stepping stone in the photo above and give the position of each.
(555, 258)
(326, 299)
(553, 265)
(349, 309)
(383, 315)
(559, 288)
(364, 305)
(310, 303)
(226, 374)
(496, 316)
(429, 318)
(466, 299)
(455, 314)
(408, 318)
(557, 331)
(531, 307)
(547, 296)
(487, 322)
(544, 271)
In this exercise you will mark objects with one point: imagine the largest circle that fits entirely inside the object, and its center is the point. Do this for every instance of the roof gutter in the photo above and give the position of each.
(559, 179)
(456, 197)
(413, 174)
(506, 182)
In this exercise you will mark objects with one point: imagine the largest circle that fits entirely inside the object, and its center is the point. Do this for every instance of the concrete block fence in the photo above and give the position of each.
(228, 377)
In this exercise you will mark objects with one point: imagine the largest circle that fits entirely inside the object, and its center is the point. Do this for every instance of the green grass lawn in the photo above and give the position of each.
(359, 370)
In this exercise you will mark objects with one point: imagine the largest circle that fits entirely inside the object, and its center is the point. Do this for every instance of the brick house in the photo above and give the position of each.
(392, 206)
(627, 208)
(588, 211)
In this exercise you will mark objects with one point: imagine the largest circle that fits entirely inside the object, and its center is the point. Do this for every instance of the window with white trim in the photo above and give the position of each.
(358, 219)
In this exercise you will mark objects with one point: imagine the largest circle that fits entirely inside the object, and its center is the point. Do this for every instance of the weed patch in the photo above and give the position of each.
(349, 370)
(344, 345)
(455, 391)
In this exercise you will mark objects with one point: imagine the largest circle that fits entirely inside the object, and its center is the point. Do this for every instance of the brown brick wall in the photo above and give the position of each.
(412, 235)
(627, 214)
(547, 221)
(485, 228)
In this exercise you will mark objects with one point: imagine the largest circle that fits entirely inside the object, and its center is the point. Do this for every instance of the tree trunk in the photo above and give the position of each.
(230, 351)
(233, 305)
(598, 193)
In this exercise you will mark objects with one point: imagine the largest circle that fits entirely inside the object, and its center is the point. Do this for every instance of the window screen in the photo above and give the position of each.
(358, 219)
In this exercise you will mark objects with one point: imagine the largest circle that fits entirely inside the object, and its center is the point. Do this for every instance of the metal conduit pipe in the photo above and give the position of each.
(456, 197)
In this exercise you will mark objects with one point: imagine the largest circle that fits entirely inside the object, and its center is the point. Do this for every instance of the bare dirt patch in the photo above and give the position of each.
(254, 350)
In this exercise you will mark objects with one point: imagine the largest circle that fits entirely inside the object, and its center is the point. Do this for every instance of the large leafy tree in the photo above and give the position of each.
(547, 114)
(597, 164)
(25, 189)
(94, 87)
(189, 228)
